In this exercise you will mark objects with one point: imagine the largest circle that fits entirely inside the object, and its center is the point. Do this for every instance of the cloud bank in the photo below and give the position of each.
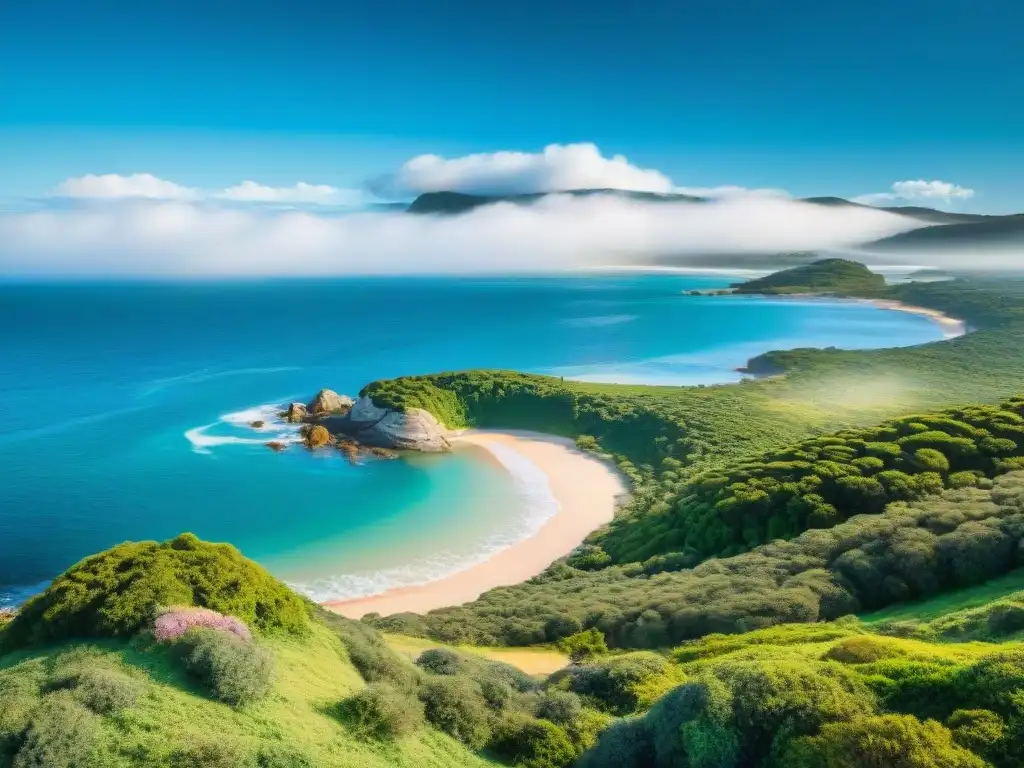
(919, 191)
(557, 168)
(146, 237)
(146, 186)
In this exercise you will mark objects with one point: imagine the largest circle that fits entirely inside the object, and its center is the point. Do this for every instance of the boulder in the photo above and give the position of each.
(276, 446)
(329, 401)
(413, 430)
(296, 413)
(316, 437)
(258, 424)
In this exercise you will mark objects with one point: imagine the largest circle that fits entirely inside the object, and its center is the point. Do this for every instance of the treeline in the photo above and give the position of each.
(914, 549)
(817, 483)
(641, 426)
(828, 697)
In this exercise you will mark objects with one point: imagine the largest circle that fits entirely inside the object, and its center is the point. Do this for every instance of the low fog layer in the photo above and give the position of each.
(188, 238)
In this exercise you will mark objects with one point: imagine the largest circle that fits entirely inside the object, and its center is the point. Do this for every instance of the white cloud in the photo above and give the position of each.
(559, 167)
(112, 186)
(560, 232)
(314, 194)
(919, 191)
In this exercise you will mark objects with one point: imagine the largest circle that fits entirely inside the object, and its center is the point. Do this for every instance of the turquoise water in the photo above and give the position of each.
(125, 408)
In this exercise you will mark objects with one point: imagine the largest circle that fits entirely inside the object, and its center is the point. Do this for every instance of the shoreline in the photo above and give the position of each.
(950, 326)
(588, 491)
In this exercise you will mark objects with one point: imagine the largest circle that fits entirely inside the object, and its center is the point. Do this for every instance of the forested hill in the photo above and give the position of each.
(992, 233)
(826, 276)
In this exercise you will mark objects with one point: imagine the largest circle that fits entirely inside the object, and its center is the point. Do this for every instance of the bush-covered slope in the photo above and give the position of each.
(819, 482)
(827, 697)
(118, 592)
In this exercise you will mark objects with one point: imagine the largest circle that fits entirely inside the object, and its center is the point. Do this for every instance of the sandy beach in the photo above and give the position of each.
(586, 489)
(951, 326)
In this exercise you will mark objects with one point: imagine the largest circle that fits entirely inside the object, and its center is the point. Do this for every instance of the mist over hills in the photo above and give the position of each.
(944, 232)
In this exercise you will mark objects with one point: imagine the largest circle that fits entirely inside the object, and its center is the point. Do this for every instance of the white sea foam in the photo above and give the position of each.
(205, 437)
(535, 499)
(268, 414)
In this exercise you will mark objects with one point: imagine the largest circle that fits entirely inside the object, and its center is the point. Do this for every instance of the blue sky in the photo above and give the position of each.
(815, 98)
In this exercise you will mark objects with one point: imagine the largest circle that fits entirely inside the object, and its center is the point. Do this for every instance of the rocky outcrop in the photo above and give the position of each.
(412, 430)
(316, 436)
(328, 401)
(276, 446)
(295, 413)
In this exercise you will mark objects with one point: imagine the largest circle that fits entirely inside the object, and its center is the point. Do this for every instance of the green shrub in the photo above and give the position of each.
(62, 734)
(531, 743)
(962, 480)
(118, 592)
(978, 730)
(282, 756)
(439, 661)
(883, 741)
(861, 649)
(931, 460)
(104, 691)
(381, 711)
(456, 706)
(497, 694)
(993, 682)
(771, 696)
(560, 707)
(222, 751)
(624, 744)
(692, 725)
(18, 698)
(613, 683)
(236, 672)
(587, 443)
(375, 660)
(584, 645)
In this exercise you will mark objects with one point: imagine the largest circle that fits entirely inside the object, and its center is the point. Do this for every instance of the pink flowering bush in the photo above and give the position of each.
(175, 622)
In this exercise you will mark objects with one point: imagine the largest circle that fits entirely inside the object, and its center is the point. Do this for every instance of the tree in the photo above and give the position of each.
(584, 645)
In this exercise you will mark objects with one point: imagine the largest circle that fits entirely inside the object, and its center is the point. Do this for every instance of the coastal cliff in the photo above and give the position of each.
(331, 418)
(414, 429)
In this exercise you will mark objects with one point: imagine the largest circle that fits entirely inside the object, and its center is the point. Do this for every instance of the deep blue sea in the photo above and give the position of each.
(125, 408)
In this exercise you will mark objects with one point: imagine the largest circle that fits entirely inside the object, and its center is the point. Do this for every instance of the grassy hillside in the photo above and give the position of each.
(82, 690)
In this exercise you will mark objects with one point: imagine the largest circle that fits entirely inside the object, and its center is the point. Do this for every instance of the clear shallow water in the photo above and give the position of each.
(125, 408)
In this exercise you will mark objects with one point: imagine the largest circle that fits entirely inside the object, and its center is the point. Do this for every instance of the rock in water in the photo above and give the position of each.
(296, 413)
(276, 446)
(317, 437)
(258, 424)
(329, 401)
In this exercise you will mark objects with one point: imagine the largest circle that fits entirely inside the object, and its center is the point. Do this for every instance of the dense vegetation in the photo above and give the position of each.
(914, 549)
(119, 591)
(824, 276)
(818, 483)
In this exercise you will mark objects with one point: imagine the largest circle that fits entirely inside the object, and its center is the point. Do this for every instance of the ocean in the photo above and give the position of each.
(126, 408)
